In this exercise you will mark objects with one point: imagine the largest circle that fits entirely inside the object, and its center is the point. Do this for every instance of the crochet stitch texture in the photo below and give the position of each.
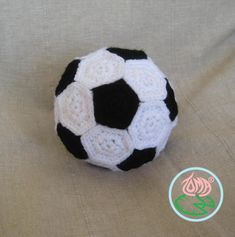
(115, 108)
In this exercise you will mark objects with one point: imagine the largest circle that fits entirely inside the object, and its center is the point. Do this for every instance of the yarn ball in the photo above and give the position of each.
(114, 108)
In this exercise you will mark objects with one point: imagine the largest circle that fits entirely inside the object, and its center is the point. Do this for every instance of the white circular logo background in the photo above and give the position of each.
(196, 194)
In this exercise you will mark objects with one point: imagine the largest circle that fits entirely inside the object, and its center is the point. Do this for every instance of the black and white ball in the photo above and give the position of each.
(115, 108)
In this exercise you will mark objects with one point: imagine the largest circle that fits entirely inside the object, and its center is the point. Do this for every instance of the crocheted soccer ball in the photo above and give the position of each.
(114, 108)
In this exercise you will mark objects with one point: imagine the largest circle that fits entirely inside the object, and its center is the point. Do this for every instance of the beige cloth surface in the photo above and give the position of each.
(44, 191)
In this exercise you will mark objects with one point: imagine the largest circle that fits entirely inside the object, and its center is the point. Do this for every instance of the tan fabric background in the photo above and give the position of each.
(44, 191)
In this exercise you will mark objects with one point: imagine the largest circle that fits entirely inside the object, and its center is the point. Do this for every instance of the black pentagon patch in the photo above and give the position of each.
(170, 101)
(137, 159)
(71, 142)
(115, 104)
(128, 53)
(68, 76)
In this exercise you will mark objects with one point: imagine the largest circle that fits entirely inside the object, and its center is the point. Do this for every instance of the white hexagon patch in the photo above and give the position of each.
(99, 68)
(75, 108)
(146, 79)
(150, 125)
(107, 146)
